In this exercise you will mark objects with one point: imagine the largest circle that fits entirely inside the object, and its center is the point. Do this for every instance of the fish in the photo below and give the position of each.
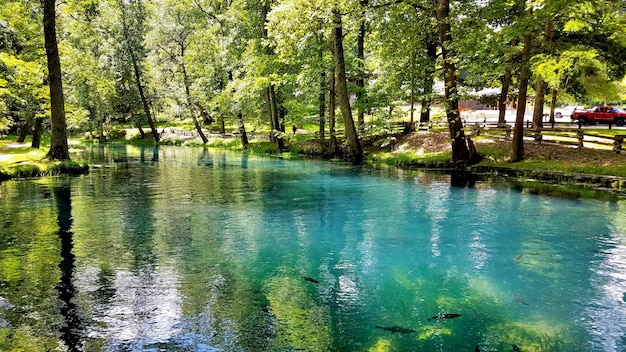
(518, 257)
(477, 349)
(516, 349)
(444, 316)
(396, 329)
(310, 279)
(520, 300)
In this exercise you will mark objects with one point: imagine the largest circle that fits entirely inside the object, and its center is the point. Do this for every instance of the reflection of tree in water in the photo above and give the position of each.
(71, 331)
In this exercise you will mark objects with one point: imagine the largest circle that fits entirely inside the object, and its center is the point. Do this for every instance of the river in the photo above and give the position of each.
(195, 249)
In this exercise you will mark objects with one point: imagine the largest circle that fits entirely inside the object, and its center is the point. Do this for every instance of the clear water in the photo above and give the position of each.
(190, 249)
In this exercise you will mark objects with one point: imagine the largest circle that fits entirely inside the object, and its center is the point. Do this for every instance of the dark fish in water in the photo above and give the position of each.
(445, 316)
(516, 349)
(396, 329)
(477, 349)
(310, 279)
(518, 257)
(520, 300)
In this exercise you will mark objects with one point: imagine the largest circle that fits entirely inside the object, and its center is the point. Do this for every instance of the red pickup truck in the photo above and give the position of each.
(600, 114)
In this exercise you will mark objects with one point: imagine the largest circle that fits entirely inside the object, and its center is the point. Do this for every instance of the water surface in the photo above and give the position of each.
(191, 249)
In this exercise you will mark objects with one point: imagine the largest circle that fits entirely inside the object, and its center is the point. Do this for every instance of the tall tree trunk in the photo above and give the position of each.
(59, 149)
(24, 132)
(555, 93)
(322, 95)
(460, 152)
(504, 93)
(540, 91)
(275, 118)
(271, 108)
(137, 72)
(139, 128)
(206, 118)
(271, 91)
(332, 107)
(342, 91)
(429, 81)
(37, 131)
(550, 49)
(518, 134)
(144, 101)
(360, 80)
(242, 132)
(412, 96)
(188, 94)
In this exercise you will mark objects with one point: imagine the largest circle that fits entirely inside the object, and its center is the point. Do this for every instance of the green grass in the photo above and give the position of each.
(588, 161)
(408, 160)
(22, 161)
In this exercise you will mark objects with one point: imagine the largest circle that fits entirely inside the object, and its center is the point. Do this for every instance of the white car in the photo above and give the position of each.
(567, 111)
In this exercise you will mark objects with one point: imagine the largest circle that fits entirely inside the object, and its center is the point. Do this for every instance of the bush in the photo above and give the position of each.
(116, 134)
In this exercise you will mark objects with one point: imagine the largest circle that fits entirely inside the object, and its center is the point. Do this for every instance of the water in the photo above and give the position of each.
(183, 249)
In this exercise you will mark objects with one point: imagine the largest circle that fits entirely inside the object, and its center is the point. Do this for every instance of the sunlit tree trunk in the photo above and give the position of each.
(555, 93)
(460, 152)
(276, 134)
(360, 81)
(59, 149)
(518, 134)
(137, 72)
(342, 92)
(332, 107)
(242, 132)
(24, 132)
(322, 94)
(37, 131)
(275, 119)
(506, 83)
(540, 90)
(188, 94)
(431, 52)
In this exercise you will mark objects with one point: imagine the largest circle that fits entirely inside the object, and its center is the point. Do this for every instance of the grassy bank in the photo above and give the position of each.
(19, 160)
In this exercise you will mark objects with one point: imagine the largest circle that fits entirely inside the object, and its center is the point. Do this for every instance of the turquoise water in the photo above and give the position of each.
(190, 249)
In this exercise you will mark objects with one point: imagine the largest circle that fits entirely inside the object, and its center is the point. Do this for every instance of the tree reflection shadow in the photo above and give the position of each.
(71, 331)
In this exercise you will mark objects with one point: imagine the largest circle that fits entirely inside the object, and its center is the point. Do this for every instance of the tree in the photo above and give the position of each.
(403, 63)
(133, 17)
(524, 76)
(59, 149)
(342, 90)
(460, 152)
(179, 22)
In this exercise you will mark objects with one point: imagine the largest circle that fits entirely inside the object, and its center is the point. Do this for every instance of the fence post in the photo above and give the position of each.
(617, 143)
(581, 135)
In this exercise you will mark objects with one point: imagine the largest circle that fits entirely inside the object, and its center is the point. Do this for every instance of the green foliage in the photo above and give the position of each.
(408, 160)
(233, 50)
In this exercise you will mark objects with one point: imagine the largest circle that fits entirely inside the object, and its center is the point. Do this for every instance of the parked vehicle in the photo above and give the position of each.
(600, 114)
(567, 111)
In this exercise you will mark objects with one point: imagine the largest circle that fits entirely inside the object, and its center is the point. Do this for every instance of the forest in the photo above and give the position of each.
(89, 67)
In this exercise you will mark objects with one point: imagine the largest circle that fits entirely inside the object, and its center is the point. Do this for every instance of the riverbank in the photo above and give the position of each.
(557, 169)
(547, 168)
(19, 160)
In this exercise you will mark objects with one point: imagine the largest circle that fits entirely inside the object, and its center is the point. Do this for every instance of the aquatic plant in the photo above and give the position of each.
(300, 322)
(382, 345)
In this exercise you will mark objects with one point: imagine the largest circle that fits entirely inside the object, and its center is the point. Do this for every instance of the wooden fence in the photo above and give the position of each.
(575, 137)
